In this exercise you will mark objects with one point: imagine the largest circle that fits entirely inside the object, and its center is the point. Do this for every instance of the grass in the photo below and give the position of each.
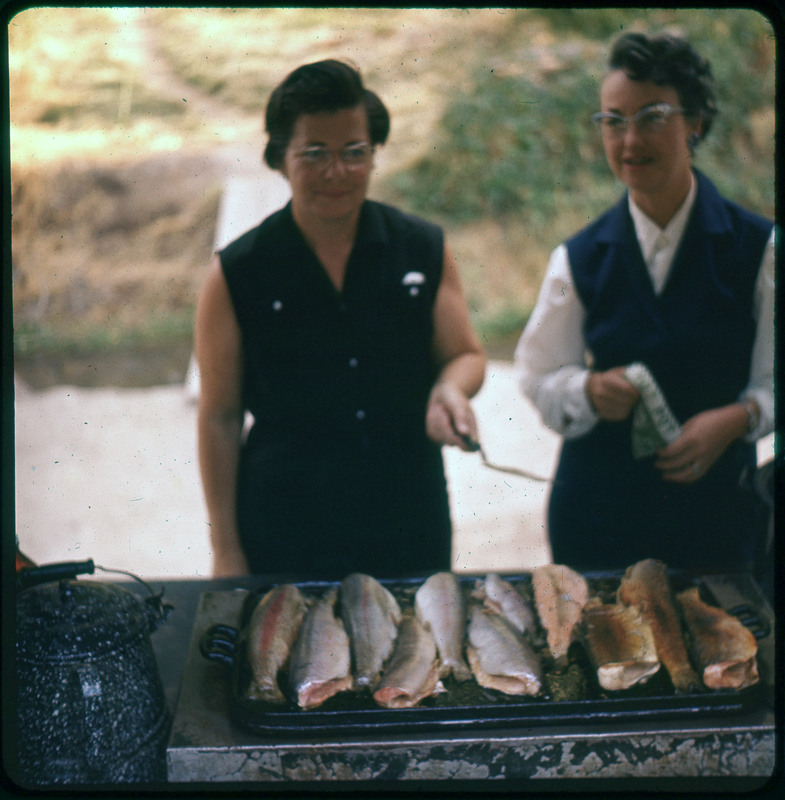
(490, 137)
(154, 330)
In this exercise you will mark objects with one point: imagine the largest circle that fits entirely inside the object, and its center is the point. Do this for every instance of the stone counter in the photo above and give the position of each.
(206, 747)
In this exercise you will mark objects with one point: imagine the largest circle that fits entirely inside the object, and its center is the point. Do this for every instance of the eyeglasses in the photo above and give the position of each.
(355, 156)
(649, 120)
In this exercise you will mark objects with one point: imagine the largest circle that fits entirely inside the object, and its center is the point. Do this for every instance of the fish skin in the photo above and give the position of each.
(413, 670)
(371, 615)
(272, 630)
(320, 661)
(647, 586)
(619, 643)
(502, 597)
(560, 593)
(721, 647)
(500, 657)
(440, 605)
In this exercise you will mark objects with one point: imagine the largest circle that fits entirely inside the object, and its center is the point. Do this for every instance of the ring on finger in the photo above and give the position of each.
(695, 468)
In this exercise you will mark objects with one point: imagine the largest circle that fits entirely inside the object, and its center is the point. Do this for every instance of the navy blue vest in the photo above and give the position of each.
(696, 337)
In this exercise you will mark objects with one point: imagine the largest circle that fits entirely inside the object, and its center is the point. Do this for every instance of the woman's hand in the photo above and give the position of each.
(228, 562)
(612, 396)
(449, 417)
(704, 439)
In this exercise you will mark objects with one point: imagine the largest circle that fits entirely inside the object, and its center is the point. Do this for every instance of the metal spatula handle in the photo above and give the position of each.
(476, 447)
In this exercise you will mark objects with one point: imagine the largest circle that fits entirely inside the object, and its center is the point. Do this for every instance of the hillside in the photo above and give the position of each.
(125, 122)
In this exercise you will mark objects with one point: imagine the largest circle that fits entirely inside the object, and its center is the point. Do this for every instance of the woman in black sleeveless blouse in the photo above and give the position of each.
(340, 324)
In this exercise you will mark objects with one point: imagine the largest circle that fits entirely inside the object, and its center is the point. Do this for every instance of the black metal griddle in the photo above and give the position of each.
(468, 706)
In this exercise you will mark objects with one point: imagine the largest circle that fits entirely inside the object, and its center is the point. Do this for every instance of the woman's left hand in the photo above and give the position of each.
(450, 417)
(703, 440)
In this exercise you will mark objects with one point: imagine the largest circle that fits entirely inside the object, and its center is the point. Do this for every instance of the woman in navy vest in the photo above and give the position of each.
(340, 324)
(681, 280)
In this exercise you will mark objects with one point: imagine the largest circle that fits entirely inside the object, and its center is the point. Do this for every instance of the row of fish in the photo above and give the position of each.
(698, 644)
(357, 637)
(400, 656)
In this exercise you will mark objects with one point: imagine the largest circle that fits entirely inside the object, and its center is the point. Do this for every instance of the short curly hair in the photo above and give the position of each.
(323, 86)
(669, 61)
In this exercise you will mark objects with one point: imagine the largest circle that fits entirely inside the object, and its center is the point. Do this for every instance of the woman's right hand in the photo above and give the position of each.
(229, 563)
(612, 396)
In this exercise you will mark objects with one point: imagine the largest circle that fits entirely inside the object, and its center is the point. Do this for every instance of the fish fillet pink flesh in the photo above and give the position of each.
(560, 594)
(412, 672)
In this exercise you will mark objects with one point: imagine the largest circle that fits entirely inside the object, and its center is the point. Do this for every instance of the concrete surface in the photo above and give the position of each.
(112, 475)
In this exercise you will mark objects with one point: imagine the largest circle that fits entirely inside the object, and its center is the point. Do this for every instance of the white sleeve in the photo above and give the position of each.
(549, 358)
(761, 382)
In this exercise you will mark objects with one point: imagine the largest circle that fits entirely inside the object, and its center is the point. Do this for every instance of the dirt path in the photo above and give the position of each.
(143, 50)
(139, 46)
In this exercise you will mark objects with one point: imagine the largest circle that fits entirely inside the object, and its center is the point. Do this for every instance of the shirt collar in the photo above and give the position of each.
(650, 235)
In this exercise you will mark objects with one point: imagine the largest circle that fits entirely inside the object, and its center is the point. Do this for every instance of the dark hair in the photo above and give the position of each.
(669, 61)
(313, 88)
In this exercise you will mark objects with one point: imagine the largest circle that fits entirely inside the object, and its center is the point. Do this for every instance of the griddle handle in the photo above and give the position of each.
(219, 643)
(758, 626)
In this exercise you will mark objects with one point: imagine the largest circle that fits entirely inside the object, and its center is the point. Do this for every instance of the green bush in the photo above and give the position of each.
(510, 146)
(524, 146)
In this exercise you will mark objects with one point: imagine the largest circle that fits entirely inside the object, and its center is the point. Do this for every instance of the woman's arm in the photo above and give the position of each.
(460, 354)
(218, 351)
(550, 356)
(760, 388)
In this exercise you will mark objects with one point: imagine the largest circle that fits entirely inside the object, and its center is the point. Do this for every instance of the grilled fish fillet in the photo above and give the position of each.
(619, 643)
(646, 586)
(721, 647)
(503, 598)
(271, 631)
(560, 594)
(441, 606)
(413, 670)
(371, 615)
(500, 657)
(320, 661)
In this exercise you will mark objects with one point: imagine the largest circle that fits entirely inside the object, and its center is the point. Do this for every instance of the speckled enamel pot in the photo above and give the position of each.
(91, 707)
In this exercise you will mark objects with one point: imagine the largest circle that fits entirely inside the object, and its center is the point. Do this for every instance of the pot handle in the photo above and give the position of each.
(157, 610)
(154, 607)
(219, 643)
(27, 577)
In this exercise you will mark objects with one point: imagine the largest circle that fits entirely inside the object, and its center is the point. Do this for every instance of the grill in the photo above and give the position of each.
(215, 727)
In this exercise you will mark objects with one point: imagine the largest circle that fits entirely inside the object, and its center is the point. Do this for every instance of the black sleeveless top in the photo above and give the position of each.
(337, 473)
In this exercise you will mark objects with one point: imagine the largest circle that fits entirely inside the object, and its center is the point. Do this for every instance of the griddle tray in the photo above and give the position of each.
(466, 706)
